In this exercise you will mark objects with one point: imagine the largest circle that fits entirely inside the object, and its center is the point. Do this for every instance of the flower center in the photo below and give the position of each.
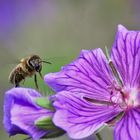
(131, 97)
(125, 97)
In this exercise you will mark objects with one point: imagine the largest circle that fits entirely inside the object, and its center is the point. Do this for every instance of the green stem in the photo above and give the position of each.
(98, 136)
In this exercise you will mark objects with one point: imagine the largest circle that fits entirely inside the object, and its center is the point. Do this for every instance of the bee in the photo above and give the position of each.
(28, 67)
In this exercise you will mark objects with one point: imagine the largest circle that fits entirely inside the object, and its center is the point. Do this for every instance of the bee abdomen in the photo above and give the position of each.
(17, 75)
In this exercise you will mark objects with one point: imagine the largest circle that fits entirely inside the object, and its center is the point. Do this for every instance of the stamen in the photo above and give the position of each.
(114, 70)
(98, 101)
(115, 119)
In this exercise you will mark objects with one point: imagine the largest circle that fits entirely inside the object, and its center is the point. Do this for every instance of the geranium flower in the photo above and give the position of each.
(95, 91)
(21, 112)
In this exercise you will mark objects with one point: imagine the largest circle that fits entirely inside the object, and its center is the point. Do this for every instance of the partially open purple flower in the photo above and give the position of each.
(94, 90)
(21, 112)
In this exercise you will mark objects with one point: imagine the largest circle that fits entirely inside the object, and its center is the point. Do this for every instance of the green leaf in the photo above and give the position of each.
(45, 103)
(45, 124)
(48, 125)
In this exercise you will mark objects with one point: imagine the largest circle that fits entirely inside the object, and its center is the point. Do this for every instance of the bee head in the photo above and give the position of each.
(35, 63)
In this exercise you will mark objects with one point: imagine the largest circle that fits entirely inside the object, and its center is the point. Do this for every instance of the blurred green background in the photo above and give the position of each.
(57, 30)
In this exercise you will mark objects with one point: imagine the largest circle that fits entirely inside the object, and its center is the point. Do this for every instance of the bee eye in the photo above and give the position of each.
(31, 63)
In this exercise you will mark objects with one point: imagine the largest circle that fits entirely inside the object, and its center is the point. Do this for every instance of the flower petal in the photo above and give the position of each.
(20, 112)
(89, 74)
(129, 126)
(126, 55)
(78, 117)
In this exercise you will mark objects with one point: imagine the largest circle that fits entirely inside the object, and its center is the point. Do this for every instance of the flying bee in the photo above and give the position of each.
(27, 67)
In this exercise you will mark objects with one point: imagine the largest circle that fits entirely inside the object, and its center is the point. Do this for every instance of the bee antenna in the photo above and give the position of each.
(45, 62)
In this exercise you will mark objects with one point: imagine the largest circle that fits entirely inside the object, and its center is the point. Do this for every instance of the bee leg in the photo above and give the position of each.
(40, 75)
(17, 85)
(35, 79)
(15, 82)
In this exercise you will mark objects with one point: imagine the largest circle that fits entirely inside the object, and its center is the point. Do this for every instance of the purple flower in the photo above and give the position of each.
(94, 91)
(21, 112)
